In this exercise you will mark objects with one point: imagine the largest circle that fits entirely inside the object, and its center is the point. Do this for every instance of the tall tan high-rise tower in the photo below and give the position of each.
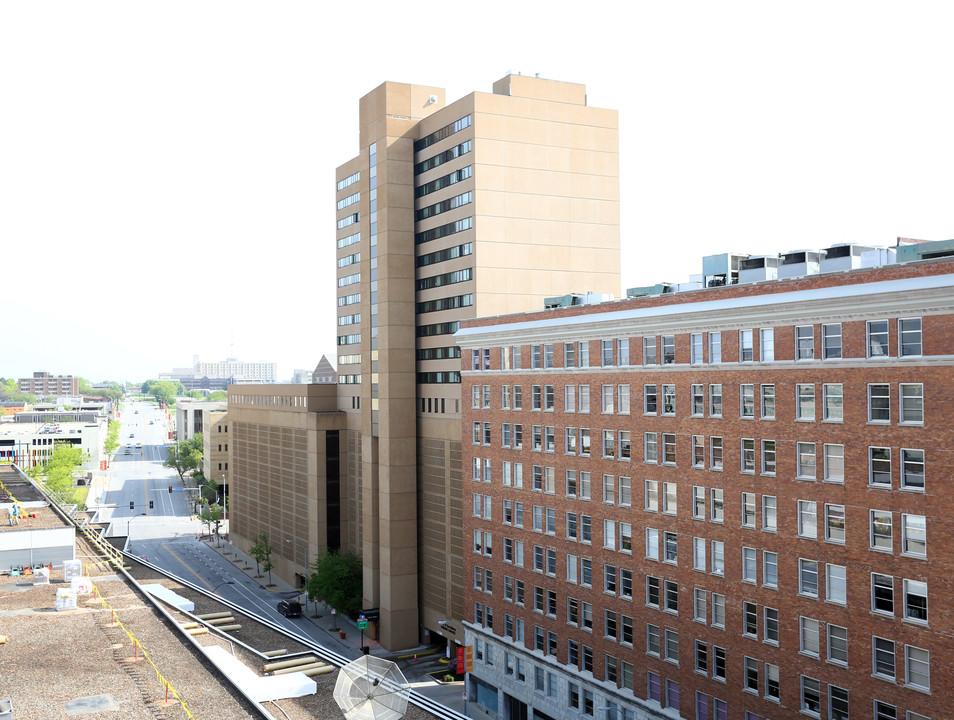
(481, 207)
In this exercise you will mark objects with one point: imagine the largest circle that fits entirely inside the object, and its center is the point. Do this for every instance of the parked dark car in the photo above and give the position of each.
(290, 608)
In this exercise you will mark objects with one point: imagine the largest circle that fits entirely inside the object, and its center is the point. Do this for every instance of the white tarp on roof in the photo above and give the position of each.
(169, 597)
(258, 688)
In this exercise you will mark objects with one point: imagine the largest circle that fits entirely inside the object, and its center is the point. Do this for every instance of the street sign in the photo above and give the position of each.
(362, 622)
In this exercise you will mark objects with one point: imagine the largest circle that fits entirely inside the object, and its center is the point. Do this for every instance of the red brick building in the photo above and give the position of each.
(724, 503)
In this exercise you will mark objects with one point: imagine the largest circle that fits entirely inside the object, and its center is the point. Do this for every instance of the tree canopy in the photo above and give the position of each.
(186, 456)
(337, 579)
(164, 391)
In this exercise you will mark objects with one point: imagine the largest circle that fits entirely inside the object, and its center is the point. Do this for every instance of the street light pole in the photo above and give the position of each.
(128, 538)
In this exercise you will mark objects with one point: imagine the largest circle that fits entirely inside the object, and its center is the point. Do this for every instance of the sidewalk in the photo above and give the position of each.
(415, 663)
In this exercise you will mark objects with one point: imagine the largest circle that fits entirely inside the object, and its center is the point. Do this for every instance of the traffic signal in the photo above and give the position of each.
(152, 504)
(132, 505)
(170, 489)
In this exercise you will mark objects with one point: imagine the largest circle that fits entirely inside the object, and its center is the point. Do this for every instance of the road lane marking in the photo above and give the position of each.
(185, 565)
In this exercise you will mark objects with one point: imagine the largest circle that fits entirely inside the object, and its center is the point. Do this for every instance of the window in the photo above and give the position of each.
(769, 569)
(671, 647)
(770, 625)
(917, 667)
(698, 403)
(883, 711)
(836, 584)
(699, 502)
(805, 402)
(623, 398)
(767, 344)
(699, 554)
(912, 469)
(649, 351)
(717, 557)
(913, 535)
(650, 447)
(909, 336)
(768, 401)
(670, 548)
(834, 463)
(718, 617)
(881, 530)
(883, 657)
(622, 351)
(583, 354)
(695, 348)
(838, 644)
(768, 457)
(584, 404)
(717, 504)
(625, 491)
(607, 395)
(879, 403)
(715, 400)
(879, 466)
(715, 453)
(748, 455)
(769, 513)
(748, 565)
(882, 593)
(804, 342)
(746, 350)
(811, 695)
(715, 347)
(915, 600)
(831, 341)
(650, 404)
(750, 619)
(808, 577)
(748, 509)
(912, 403)
(833, 398)
(751, 674)
(669, 498)
(653, 640)
(668, 399)
(671, 595)
(747, 401)
(877, 338)
(668, 349)
(835, 523)
(806, 460)
(772, 687)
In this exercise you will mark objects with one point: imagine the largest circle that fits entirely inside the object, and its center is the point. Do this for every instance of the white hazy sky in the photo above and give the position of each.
(167, 169)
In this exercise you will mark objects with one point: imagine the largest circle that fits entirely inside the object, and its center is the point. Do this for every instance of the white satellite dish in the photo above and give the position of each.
(371, 688)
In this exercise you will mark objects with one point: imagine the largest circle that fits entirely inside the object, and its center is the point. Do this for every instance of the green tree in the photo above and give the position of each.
(58, 472)
(217, 396)
(337, 580)
(112, 437)
(261, 550)
(186, 457)
(212, 516)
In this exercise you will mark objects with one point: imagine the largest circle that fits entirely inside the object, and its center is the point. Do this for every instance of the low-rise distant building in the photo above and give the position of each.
(43, 384)
(30, 444)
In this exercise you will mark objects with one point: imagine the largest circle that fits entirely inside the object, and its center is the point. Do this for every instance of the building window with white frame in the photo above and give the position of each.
(877, 332)
(833, 398)
(909, 337)
(912, 403)
(715, 348)
(805, 342)
(912, 469)
(767, 394)
(622, 351)
(767, 345)
(746, 348)
(834, 463)
(805, 401)
(831, 341)
(881, 530)
(914, 535)
(695, 348)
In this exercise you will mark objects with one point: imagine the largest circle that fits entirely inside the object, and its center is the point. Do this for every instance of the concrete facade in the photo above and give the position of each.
(720, 503)
(486, 205)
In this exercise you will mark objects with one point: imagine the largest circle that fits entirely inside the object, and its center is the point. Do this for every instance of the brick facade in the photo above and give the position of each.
(800, 565)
